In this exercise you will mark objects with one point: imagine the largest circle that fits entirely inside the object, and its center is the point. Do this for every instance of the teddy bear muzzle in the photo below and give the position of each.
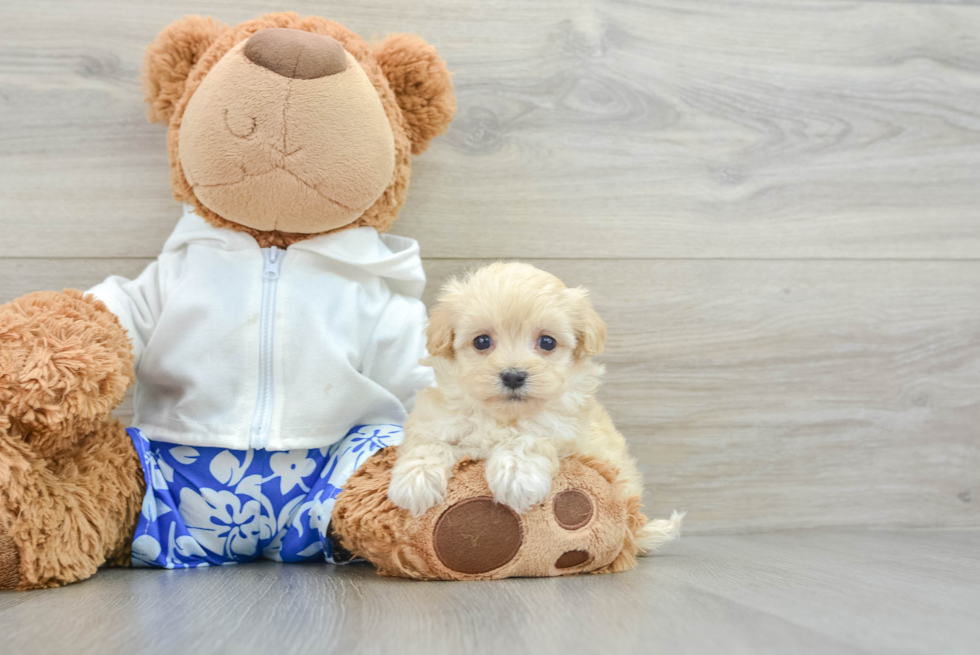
(287, 133)
(296, 54)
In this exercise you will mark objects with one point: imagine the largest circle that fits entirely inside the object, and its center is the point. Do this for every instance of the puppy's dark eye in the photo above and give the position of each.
(482, 342)
(547, 343)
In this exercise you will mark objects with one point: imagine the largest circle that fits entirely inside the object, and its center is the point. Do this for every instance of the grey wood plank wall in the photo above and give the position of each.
(775, 204)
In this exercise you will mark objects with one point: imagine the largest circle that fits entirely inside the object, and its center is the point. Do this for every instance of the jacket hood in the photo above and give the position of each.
(394, 258)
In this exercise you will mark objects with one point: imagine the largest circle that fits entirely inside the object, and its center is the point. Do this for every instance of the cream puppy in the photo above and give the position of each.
(511, 347)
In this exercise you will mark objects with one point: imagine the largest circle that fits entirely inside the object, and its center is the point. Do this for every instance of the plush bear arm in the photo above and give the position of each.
(65, 363)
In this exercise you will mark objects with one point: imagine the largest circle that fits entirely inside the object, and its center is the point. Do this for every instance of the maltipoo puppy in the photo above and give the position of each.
(511, 347)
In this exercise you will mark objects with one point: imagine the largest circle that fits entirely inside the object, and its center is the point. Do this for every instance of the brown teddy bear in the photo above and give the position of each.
(289, 141)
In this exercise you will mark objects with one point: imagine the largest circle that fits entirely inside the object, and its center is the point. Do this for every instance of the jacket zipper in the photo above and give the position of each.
(262, 419)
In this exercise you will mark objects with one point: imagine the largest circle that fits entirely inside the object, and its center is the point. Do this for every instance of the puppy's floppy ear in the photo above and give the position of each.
(422, 85)
(590, 329)
(440, 332)
(169, 60)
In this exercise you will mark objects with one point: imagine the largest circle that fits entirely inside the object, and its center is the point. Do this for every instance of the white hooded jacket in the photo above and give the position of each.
(245, 347)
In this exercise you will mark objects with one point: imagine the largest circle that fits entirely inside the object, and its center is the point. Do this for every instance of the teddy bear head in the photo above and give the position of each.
(287, 127)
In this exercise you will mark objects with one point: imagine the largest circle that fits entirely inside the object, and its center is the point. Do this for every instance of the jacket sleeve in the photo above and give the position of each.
(136, 303)
(398, 343)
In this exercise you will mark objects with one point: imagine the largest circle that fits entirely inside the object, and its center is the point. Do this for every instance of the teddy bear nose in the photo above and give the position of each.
(296, 54)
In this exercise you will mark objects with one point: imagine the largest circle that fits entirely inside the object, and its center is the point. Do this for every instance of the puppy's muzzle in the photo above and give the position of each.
(513, 378)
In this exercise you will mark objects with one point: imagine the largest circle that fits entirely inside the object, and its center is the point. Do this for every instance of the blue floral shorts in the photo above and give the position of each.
(206, 506)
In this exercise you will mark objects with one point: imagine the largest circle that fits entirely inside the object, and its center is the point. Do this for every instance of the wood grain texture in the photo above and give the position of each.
(593, 128)
(764, 395)
(796, 592)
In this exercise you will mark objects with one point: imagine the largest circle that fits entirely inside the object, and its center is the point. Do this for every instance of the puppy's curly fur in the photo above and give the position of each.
(508, 320)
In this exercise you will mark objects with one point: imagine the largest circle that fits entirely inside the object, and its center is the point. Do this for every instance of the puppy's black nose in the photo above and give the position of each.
(513, 378)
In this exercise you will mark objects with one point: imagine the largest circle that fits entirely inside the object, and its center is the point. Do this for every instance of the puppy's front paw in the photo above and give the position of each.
(519, 483)
(417, 486)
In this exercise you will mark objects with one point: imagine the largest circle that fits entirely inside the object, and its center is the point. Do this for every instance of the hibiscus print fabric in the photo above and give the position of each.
(207, 506)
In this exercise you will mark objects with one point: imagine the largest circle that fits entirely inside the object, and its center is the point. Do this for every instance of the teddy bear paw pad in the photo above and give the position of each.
(572, 509)
(477, 535)
(571, 558)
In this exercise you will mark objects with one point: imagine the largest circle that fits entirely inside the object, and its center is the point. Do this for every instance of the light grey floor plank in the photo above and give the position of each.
(893, 592)
(793, 592)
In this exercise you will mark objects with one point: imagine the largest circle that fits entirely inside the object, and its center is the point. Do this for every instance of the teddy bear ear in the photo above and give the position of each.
(422, 85)
(169, 60)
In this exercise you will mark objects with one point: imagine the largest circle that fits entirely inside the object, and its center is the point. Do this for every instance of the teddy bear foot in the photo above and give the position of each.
(9, 562)
(61, 518)
(583, 526)
(477, 535)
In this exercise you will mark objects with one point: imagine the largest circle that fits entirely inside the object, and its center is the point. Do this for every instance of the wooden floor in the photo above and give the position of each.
(822, 591)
